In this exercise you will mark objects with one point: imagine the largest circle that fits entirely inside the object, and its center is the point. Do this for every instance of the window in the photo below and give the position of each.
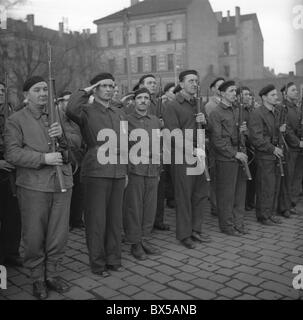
(125, 65)
(110, 38)
(226, 48)
(111, 65)
(140, 64)
(153, 63)
(152, 32)
(139, 34)
(170, 62)
(227, 71)
(169, 27)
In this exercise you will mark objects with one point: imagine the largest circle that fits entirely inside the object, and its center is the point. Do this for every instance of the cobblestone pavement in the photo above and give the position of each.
(255, 266)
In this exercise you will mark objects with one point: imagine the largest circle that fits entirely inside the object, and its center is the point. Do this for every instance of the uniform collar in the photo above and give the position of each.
(102, 107)
(139, 116)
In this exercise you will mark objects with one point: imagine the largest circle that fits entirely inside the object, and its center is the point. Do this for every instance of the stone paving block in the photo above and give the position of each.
(153, 287)
(122, 297)
(175, 255)
(209, 267)
(11, 290)
(136, 280)
(250, 248)
(71, 252)
(71, 275)
(180, 285)
(254, 280)
(82, 257)
(246, 297)
(113, 282)
(226, 272)
(252, 290)
(192, 261)
(272, 260)
(172, 294)
(143, 295)
(249, 270)
(268, 295)
(20, 280)
(227, 264)
(211, 259)
(77, 266)
(207, 284)
(184, 276)
(22, 296)
(212, 251)
(149, 263)
(160, 277)
(281, 289)
(105, 292)
(270, 267)
(292, 252)
(272, 254)
(236, 284)
(229, 293)
(295, 260)
(219, 278)
(171, 262)
(130, 290)
(188, 268)
(54, 296)
(202, 294)
(286, 280)
(203, 274)
(167, 270)
(141, 270)
(246, 262)
(290, 245)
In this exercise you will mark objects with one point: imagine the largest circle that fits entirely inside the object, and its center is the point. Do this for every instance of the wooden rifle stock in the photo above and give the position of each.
(241, 141)
(52, 115)
(11, 175)
(199, 126)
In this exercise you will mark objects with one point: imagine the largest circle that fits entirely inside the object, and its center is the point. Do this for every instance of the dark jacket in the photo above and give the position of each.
(92, 119)
(293, 133)
(26, 141)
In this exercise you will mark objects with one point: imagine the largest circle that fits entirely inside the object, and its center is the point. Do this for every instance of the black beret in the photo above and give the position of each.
(185, 73)
(136, 87)
(225, 85)
(264, 91)
(215, 82)
(141, 90)
(287, 86)
(102, 76)
(146, 76)
(241, 89)
(31, 82)
(168, 86)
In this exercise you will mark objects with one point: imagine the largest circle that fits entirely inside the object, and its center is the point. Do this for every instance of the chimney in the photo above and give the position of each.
(30, 22)
(133, 2)
(228, 16)
(61, 28)
(219, 16)
(237, 17)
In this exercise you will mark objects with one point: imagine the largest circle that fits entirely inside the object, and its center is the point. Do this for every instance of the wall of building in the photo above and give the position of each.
(299, 68)
(202, 34)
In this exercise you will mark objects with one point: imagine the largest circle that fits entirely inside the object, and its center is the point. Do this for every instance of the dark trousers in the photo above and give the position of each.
(267, 187)
(284, 198)
(45, 218)
(159, 219)
(191, 196)
(140, 207)
(230, 189)
(212, 172)
(10, 223)
(250, 200)
(76, 206)
(295, 161)
(103, 200)
(169, 186)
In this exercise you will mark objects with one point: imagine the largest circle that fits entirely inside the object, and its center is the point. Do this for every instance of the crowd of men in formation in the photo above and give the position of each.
(115, 202)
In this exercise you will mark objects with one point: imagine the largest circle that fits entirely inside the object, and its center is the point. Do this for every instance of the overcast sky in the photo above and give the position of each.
(281, 46)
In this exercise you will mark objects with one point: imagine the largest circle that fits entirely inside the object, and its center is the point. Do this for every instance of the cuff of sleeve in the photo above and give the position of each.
(271, 149)
(42, 159)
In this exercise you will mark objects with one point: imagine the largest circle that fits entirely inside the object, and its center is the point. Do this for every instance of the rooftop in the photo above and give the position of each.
(229, 27)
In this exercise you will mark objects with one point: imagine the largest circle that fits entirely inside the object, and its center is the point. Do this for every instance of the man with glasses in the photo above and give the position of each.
(103, 180)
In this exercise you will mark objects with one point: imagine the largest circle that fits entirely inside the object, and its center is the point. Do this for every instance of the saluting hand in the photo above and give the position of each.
(55, 130)
(4, 165)
(90, 88)
(53, 159)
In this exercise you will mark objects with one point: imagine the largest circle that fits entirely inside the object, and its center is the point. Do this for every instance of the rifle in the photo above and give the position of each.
(11, 175)
(301, 116)
(52, 111)
(200, 126)
(241, 139)
(159, 106)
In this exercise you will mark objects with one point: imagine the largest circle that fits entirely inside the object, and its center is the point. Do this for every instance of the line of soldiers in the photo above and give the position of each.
(116, 197)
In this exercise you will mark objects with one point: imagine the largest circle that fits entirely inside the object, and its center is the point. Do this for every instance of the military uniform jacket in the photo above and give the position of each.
(264, 131)
(148, 123)
(223, 126)
(92, 118)
(26, 141)
(292, 135)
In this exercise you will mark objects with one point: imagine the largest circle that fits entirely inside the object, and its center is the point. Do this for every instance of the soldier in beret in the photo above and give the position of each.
(264, 131)
(44, 208)
(230, 176)
(103, 178)
(191, 191)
